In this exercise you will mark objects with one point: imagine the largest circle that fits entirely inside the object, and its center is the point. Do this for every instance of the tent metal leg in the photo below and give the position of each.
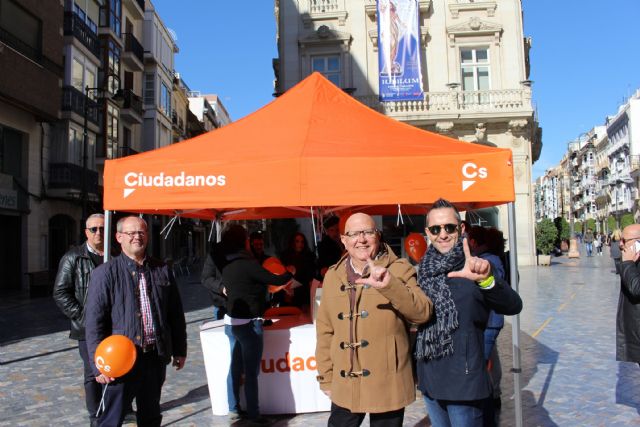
(107, 235)
(515, 320)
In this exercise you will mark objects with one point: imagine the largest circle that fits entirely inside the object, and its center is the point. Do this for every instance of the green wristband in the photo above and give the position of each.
(486, 282)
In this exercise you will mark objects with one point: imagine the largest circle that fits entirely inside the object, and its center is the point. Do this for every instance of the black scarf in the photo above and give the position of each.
(434, 337)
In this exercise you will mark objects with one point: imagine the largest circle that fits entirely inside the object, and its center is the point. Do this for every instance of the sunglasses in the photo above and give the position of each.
(94, 230)
(448, 228)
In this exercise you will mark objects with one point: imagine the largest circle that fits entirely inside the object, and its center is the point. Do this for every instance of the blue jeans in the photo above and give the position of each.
(246, 344)
(589, 246)
(219, 312)
(449, 413)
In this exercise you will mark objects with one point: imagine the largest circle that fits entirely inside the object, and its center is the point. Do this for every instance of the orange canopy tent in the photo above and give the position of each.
(313, 146)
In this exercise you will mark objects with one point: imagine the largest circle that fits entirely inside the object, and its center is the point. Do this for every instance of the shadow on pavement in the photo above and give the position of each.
(535, 357)
(24, 317)
(626, 385)
(194, 395)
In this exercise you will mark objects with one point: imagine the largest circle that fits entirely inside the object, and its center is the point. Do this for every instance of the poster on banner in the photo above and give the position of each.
(400, 74)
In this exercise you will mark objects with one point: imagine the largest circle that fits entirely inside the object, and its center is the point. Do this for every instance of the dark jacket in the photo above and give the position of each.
(212, 276)
(463, 376)
(70, 287)
(329, 252)
(246, 282)
(113, 306)
(628, 317)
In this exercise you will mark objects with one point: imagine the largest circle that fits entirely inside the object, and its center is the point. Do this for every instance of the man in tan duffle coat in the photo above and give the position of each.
(363, 352)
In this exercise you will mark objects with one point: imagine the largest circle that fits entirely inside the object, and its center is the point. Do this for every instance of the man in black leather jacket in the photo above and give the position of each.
(70, 293)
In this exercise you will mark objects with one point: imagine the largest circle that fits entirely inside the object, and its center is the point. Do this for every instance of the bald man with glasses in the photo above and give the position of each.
(628, 317)
(70, 292)
(363, 352)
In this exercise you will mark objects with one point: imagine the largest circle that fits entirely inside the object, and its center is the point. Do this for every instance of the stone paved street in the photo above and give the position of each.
(570, 376)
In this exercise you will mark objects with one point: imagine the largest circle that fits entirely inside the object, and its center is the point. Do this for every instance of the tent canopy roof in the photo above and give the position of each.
(313, 146)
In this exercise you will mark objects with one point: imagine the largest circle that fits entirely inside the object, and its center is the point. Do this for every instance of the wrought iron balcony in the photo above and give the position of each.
(454, 102)
(69, 176)
(132, 106)
(75, 26)
(76, 101)
(133, 46)
(125, 151)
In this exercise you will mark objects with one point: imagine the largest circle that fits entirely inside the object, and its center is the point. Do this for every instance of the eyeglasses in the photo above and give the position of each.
(448, 228)
(94, 230)
(624, 241)
(366, 233)
(132, 234)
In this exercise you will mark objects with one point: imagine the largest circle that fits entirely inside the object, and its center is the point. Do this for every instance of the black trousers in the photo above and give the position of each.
(92, 388)
(342, 417)
(144, 383)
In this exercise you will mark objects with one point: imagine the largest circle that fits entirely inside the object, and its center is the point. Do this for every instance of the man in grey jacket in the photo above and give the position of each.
(70, 294)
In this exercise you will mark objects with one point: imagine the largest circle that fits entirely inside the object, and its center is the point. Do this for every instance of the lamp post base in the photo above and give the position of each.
(573, 249)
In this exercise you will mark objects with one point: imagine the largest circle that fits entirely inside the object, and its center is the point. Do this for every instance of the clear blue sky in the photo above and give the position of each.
(585, 59)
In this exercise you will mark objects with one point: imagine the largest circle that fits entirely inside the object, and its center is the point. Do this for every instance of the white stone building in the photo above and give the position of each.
(475, 70)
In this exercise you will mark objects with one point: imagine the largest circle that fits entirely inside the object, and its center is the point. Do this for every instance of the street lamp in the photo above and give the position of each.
(118, 98)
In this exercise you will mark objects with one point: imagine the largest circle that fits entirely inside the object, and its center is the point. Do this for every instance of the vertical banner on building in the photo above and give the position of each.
(399, 50)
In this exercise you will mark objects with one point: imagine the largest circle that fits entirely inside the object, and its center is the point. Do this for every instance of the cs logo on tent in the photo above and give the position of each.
(471, 172)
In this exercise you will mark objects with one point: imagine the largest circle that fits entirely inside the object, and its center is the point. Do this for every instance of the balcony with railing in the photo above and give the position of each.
(132, 108)
(76, 27)
(133, 55)
(634, 161)
(76, 101)
(443, 104)
(68, 178)
(135, 8)
(125, 151)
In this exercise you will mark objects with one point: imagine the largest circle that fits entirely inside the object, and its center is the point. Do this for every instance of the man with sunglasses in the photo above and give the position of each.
(628, 316)
(136, 296)
(363, 351)
(452, 374)
(70, 292)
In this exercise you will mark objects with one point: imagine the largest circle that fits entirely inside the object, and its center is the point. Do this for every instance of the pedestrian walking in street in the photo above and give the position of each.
(598, 242)
(588, 241)
(70, 292)
(628, 316)
(363, 349)
(136, 296)
(615, 252)
(451, 367)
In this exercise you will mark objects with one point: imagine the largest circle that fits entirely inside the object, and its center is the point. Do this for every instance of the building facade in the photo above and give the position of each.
(603, 165)
(32, 69)
(475, 70)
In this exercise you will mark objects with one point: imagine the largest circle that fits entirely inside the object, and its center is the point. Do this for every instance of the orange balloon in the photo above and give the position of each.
(415, 246)
(115, 356)
(274, 265)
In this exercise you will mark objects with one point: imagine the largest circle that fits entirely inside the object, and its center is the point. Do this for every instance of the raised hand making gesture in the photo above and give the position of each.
(379, 277)
(476, 269)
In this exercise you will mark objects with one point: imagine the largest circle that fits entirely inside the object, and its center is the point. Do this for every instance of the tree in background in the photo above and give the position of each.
(562, 226)
(626, 219)
(611, 223)
(546, 234)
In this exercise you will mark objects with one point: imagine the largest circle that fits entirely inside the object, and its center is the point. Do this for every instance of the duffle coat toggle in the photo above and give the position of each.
(364, 314)
(361, 343)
